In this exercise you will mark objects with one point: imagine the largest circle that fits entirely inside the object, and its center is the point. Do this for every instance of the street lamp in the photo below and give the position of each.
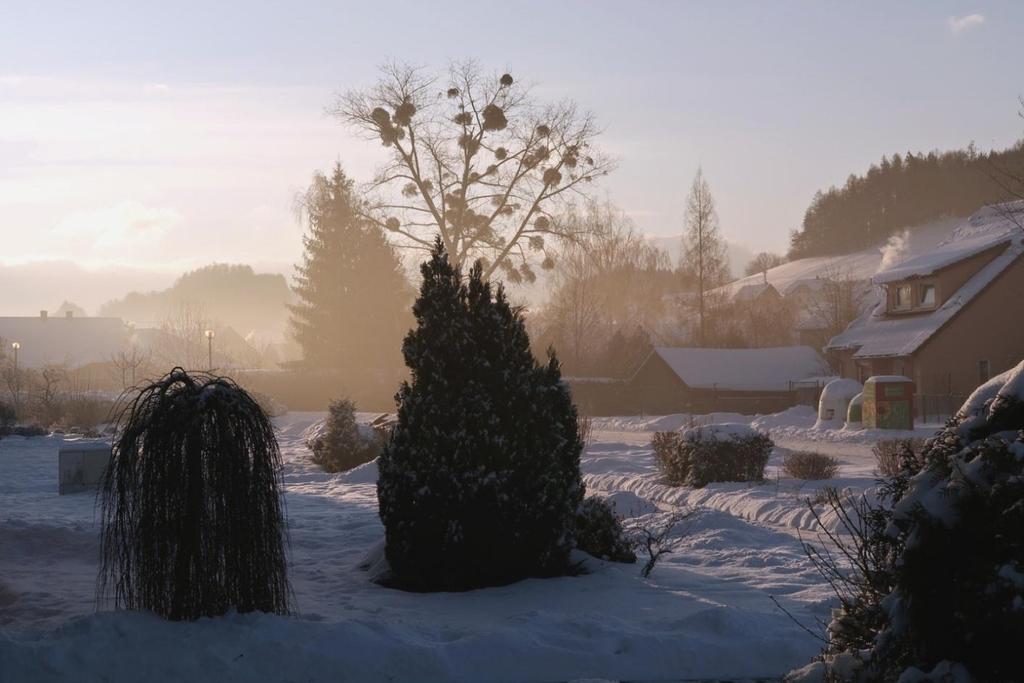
(209, 350)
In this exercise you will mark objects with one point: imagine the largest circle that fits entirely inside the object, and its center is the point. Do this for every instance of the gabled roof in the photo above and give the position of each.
(876, 334)
(771, 369)
(987, 228)
(753, 291)
(75, 341)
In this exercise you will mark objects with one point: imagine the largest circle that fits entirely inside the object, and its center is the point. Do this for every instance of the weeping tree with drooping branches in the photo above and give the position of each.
(476, 159)
(193, 520)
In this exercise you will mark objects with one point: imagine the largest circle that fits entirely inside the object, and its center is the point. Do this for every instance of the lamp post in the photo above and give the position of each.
(209, 350)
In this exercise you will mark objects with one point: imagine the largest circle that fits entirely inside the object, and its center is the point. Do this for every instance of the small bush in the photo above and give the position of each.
(893, 455)
(810, 465)
(341, 446)
(81, 414)
(701, 455)
(28, 430)
(585, 427)
(599, 532)
(7, 416)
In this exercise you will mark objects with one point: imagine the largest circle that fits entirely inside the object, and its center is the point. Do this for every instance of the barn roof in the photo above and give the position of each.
(771, 369)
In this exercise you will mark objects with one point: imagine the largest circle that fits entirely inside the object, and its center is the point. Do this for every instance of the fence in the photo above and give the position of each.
(937, 408)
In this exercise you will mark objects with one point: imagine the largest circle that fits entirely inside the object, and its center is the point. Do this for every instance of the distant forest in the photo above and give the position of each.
(902, 192)
(231, 294)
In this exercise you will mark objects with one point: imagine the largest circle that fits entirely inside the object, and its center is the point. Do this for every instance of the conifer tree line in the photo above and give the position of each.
(903, 191)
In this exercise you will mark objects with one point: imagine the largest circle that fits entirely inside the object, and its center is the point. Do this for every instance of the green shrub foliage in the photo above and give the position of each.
(479, 482)
(193, 522)
(598, 532)
(699, 456)
(341, 446)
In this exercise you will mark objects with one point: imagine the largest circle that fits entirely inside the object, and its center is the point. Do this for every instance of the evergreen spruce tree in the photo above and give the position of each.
(480, 480)
(352, 289)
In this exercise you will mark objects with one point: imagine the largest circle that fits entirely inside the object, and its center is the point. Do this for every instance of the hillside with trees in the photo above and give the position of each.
(903, 191)
(235, 295)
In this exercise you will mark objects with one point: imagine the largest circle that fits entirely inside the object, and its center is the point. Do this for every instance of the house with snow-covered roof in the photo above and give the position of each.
(701, 380)
(949, 318)
(68, 339)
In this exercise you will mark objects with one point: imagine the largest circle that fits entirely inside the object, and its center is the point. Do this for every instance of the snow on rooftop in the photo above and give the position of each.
(985, 229)
(860, 265)
(771, 369)
(876, 335)
(751, 292)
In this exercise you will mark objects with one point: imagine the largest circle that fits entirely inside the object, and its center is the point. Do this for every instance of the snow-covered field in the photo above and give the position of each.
(705, 613)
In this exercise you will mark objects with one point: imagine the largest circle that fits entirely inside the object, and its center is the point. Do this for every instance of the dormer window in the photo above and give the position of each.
(926, 296)
(901, 299)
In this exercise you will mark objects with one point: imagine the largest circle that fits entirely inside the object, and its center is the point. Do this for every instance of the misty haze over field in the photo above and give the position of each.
(523, 342)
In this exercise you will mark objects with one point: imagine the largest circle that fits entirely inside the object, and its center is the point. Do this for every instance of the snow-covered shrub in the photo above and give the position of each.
(810, 465)
(894, 455)
(700, 455)
(957, 575)
(7, 417)
(341, 445)
(598, 532)
(479, 483)
(192, 520)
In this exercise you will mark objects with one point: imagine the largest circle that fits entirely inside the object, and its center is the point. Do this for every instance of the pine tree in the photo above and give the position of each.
(352, 289)
(480, 481)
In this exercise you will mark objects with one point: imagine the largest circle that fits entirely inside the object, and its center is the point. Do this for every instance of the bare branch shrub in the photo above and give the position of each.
(810, 465)
(652, 535)
(894, 455)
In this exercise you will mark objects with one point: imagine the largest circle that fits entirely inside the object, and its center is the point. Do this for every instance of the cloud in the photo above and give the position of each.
(958, 25)
(127, 228)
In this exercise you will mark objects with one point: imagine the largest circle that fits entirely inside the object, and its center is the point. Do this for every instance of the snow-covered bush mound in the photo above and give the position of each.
(957, 580)
(700, 455)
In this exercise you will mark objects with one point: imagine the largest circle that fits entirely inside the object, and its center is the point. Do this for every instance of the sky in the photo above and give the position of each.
(163, 136)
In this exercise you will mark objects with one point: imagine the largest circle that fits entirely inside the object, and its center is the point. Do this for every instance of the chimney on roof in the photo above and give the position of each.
(69, 314)
(42, 315)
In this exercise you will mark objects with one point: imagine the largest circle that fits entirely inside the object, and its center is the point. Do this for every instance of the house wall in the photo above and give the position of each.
(989, 328)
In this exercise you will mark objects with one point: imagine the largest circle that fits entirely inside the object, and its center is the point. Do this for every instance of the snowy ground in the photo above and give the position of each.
(705, 613)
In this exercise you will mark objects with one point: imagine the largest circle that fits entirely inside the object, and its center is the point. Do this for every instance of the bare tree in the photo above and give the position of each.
(478, 160)
(127, 364)
(763, 262)
(703, 250)
(182, 341)
(611, 278)
(838, 301)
